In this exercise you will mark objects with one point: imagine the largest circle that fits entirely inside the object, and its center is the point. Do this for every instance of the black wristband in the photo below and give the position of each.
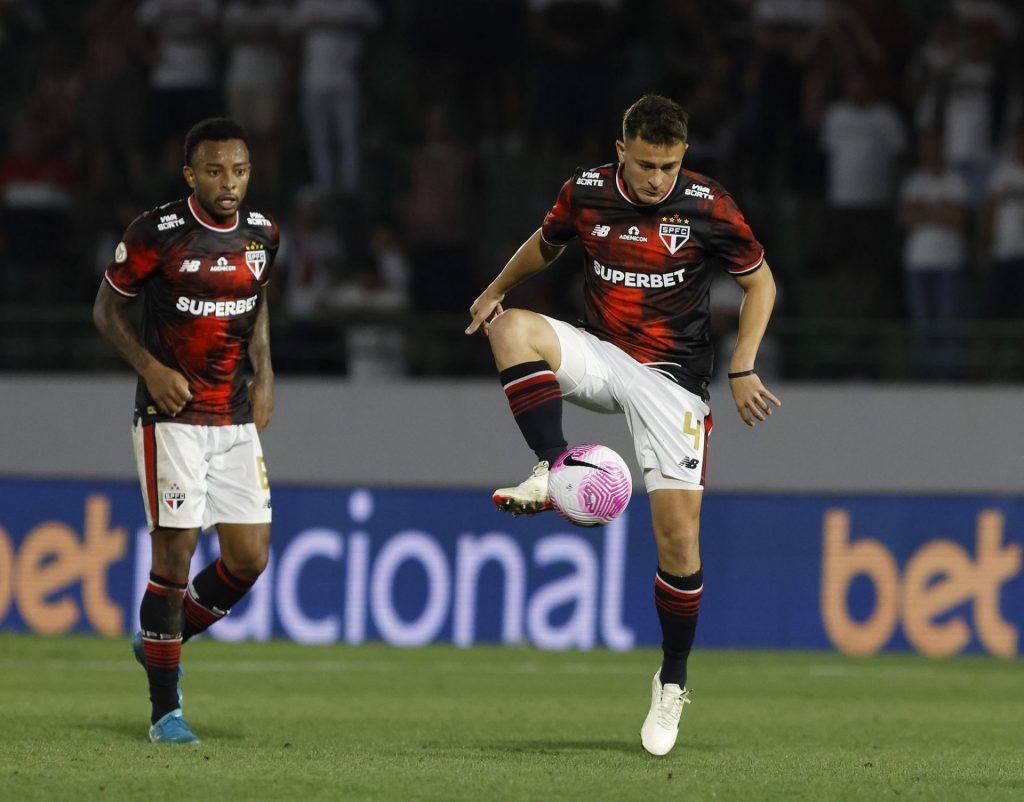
(740, 374)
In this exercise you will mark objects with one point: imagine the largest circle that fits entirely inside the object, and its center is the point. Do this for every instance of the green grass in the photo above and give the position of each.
(281, 721)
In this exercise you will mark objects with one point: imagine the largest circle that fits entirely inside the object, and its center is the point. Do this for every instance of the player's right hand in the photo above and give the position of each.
(484, 310)
(168, 389)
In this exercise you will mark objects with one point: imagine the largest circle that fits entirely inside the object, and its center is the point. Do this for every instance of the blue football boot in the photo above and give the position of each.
(173, 729)
(140, 657)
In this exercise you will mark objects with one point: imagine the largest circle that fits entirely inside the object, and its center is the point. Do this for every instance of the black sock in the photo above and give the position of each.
(678, 602)
(536, 402)
(160, 617)
(210, 595)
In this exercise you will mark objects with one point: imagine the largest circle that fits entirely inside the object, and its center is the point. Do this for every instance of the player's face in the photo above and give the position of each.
(649, 170)
(219, 174)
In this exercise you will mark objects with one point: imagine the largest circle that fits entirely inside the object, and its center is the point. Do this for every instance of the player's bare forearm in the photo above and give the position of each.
(167, 387)
(532, 257)
(751, 396)
(108, 313)
(261, 390)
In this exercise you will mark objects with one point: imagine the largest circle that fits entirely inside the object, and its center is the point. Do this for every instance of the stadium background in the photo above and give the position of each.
(885, 496)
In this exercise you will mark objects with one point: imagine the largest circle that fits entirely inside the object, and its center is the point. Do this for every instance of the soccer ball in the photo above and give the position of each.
(589, 485)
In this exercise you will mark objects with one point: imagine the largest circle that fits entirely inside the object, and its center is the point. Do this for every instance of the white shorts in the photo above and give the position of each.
(197, 476)
(670, 425)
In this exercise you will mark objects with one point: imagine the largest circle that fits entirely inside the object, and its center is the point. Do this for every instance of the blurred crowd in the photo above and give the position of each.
(408, 146)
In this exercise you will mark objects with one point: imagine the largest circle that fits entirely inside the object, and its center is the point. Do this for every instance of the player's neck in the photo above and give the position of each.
(203, 215)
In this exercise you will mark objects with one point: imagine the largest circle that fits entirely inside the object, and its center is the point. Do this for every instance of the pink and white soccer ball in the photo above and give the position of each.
(589, 485)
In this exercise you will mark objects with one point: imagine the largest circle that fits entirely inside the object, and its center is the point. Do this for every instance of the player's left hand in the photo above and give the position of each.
(261, 393)
(484, 311)
(752, 398)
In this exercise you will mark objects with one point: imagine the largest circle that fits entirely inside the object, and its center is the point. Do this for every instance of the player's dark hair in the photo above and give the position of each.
(655, 119)
(212, 129)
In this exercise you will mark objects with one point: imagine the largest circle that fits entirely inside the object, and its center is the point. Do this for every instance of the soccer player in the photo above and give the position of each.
(204, 393)
(653, 237)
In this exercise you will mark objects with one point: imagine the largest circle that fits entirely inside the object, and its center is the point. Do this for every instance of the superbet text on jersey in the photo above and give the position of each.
(201, 286)
(649, 268)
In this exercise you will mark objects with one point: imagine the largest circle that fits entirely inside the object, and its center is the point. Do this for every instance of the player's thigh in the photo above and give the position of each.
(583, 373)
(238, 489)
(670, 428)
(171, 462)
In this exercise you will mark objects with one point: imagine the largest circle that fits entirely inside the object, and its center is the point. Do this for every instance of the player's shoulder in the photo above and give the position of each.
(261, 223)
(692, 184)
(160, 222)
(590, 183)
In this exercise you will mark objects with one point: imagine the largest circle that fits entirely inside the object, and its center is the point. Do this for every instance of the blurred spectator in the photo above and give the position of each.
(1002, 233)
(22, 26)
(439, 216)
(573, 71)
(375, 349)
(332, 35)
(958, 84)
(313, 255)
(254, 83)
(37, 194)
(114, 105)
(183, 77)
(862, 138)
(933, 211)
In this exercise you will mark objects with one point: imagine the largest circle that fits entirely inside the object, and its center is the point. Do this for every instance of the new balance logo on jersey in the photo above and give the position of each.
(601, 231)
(689, 462)
(189, 266)
(199, 308)
(168, 221)
(590, 179)
(222, 266)
(633, 235)
(699, 191)
(257, 219)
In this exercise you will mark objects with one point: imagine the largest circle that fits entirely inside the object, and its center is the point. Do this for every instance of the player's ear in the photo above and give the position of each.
(620, 148)
(190, 176)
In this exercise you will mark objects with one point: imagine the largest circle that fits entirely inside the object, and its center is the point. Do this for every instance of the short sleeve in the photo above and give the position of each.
(558, 227)
(732, 243)
(135, 258)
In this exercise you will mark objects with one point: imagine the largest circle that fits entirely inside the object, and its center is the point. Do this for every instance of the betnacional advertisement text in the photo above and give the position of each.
(860, 574)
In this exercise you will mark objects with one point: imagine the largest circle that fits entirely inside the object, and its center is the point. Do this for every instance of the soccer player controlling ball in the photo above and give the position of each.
(205, 391)
(653, 236)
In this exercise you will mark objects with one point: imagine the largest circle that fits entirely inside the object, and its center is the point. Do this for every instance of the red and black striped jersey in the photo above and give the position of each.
(649, 268)
(201, 286)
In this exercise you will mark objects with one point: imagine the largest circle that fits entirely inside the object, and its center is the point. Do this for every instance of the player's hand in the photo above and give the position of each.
(752, 399)
(484, 310)
(168, 389)
(261, 393)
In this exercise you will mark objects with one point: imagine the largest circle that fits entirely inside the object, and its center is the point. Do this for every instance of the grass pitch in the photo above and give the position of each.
(286, 722)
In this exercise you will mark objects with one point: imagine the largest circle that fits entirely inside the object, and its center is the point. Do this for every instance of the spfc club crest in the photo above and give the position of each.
(255, 258)
(174, 497)
(673, 235)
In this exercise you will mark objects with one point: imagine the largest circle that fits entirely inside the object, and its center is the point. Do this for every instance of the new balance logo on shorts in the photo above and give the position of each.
(689, 462)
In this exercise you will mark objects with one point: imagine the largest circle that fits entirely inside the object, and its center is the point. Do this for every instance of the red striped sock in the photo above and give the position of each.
(535, 399)
(211, 595)
(678, 601)
(160, 617)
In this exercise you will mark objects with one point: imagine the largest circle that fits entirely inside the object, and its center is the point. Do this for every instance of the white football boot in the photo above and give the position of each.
(658, 734)
(529, 497)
